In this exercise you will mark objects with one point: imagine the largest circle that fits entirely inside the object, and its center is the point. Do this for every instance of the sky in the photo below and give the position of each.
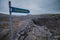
(35, 6)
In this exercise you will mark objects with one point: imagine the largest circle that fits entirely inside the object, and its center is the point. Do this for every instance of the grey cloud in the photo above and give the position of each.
(35, 6)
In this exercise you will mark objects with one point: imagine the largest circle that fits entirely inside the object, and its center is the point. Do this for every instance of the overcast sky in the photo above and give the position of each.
(35, 6)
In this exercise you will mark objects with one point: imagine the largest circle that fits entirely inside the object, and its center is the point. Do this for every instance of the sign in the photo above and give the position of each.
(19, 10)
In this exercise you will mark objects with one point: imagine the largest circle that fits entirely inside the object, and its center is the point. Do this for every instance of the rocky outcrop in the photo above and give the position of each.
(31, 31)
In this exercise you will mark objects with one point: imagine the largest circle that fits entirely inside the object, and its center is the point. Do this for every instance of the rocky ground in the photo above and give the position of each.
(31, 31)
(33, 28)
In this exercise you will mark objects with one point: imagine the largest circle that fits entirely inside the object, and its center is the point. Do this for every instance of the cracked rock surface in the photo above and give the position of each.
(30, 31)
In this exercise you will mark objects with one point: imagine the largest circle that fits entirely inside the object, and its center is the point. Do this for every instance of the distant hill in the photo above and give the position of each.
(5, 20)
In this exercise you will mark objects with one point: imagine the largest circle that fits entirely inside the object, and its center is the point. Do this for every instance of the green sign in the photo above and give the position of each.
(19, 10)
